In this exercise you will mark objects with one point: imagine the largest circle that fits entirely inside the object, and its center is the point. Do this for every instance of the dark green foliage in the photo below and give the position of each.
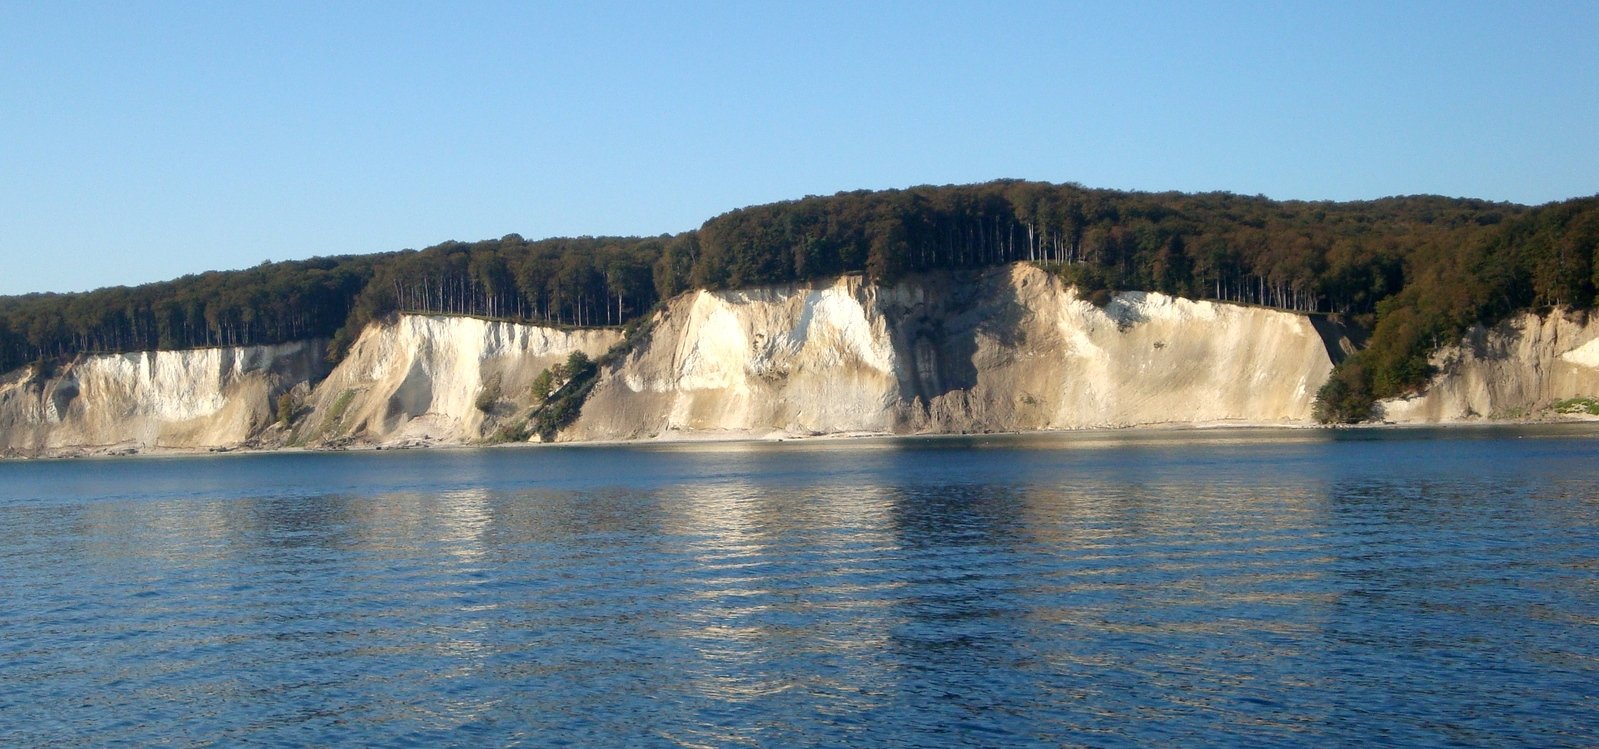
(489, 396)
(586, 281)
(1541, 258)
(560, 391)
(576, 377)
(1327, 257)
(1346, 397)
(288, 406)
(577, 363)
(543, 385)
(43, 369)
(270, 303)
(1589, 406)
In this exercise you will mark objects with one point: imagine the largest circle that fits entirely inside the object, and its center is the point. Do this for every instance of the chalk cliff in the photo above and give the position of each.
(1010, 349)
(1513, 370)
(185, 400)
(431, 378)
(411, 380)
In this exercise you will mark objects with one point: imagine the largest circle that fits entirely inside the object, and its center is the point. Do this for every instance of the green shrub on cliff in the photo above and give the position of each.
(576, 378)
(288, 406)
(1587, 405)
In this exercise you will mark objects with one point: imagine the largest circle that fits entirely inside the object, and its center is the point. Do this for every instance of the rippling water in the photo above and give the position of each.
(1413, 587)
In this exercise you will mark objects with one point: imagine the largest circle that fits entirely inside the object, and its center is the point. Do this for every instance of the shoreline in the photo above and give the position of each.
(773, 437)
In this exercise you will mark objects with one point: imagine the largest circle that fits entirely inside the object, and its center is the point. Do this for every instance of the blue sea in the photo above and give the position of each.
(1412, 587)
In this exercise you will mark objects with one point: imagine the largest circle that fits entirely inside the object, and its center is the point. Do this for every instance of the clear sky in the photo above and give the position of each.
(142, 141)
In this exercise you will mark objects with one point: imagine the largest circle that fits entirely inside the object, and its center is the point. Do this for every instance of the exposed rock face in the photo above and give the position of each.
(808, 360)
(1005, 350)
(1010, 349)
(1513, 370)
(192, 399)
(423, 379)
(413, 379)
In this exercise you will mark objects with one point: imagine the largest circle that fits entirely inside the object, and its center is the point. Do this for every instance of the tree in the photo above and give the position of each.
(543, 386)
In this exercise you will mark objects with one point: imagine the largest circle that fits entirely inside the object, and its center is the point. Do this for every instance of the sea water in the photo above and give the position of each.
(1229, 587)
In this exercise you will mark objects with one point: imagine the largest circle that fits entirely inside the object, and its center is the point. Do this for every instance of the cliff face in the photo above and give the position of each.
(167, 399)
(1513, 370)
(1005, 350)
(416, 379)
(1011, 349)
(425, 379)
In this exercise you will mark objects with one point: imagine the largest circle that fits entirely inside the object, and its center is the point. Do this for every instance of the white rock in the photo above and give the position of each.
(1513, 370)
(1017, 351)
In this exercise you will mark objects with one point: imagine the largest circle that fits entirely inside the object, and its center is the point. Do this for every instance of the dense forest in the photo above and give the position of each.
(1420, 270)
(1542, 260)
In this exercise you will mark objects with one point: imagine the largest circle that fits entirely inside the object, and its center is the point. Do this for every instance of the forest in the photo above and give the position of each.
(1418, 271)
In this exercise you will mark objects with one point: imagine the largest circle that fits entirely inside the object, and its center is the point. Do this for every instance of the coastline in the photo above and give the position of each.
(780, 437)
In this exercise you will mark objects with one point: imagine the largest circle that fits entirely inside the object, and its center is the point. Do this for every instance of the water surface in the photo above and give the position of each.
(1414, 587)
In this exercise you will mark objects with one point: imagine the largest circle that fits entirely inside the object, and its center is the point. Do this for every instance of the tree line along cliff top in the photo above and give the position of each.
(1418, 271)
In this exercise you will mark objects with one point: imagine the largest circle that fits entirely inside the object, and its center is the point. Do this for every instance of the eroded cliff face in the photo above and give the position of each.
(186, 400)
(436, 379)
(412, 380)
(1010, 349)
(1005, 350)
(805, 360)
(1514, 370)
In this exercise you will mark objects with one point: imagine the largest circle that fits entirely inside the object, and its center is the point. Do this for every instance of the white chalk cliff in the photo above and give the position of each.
(414, 379)
(437, 379)
(1514, 370)
(1011, 349)
(185, 400)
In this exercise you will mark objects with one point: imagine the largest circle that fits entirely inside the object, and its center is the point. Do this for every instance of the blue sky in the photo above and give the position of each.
(143, 141)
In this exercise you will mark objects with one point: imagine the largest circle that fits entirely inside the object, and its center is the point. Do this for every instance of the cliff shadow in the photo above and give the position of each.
(938, 337)
(939, 361)
(1339, 336)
